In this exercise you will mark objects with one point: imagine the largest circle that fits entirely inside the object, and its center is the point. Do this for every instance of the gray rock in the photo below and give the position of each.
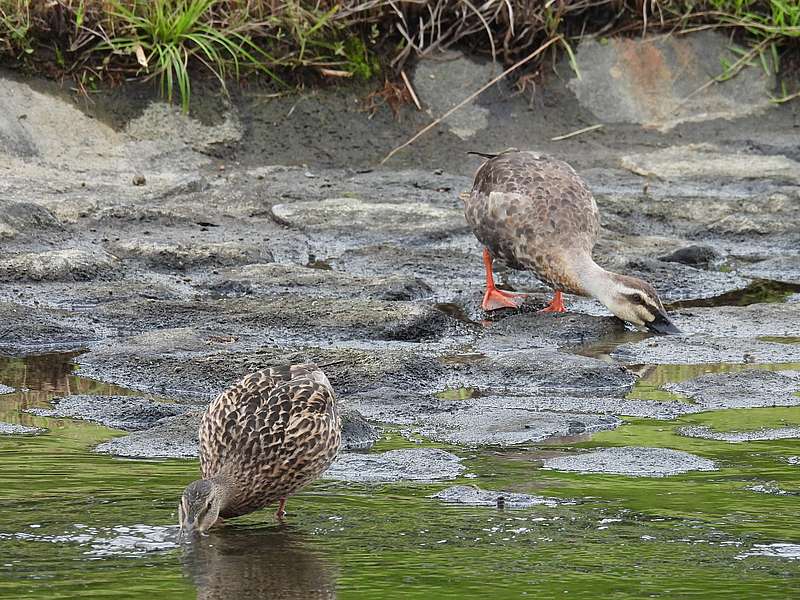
(357, 434)
(787, 551)
(16, 429)
(183, 256)
(57, 265)
(28, 329)
(747, 389)
(697, 349)
(484, 426)
(434, 82)
(274, 278)
(735, 437)
(129, 413)
(21, 217)
(4, 389)
(475, 496)
(706, 161)
(171, 437)
(647, 81)
(161, 121)
(781, 268)
(632, 461)
(696, 255)
(415, 464)
(793, 460)
(538, 330)
(772, 319)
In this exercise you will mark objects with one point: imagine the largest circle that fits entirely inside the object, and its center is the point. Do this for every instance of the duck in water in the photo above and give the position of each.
(535, 213)
(261, 440)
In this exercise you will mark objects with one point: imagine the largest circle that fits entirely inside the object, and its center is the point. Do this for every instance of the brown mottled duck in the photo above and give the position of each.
(261, 440)
(537, 214)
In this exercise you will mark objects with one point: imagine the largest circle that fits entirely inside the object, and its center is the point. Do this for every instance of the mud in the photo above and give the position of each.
(181, 252)
(632, 461)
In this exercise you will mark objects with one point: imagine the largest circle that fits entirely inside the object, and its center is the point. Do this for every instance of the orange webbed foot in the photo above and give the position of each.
(556, 305)
(495, 299)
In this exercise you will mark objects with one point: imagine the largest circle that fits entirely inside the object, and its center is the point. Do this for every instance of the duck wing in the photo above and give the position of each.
(273, 428)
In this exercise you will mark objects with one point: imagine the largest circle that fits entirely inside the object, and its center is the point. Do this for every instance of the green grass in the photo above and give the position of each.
(171, 40)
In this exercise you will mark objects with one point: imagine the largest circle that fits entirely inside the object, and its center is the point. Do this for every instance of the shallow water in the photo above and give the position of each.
(74, 523)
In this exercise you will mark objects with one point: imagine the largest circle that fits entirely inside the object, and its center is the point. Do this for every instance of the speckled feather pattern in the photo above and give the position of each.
(535, 213)
(270, 434)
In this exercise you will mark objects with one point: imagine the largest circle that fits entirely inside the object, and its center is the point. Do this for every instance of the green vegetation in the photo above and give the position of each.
(169, 40)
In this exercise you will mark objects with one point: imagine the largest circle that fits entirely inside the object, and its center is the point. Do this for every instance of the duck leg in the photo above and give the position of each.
(494, 298)
(556, 304)
(281, 513)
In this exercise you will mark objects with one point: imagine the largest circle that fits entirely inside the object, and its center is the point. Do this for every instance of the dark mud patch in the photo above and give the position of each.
(632, 461)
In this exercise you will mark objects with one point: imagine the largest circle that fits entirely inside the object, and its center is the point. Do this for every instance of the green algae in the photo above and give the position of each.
(618, 537)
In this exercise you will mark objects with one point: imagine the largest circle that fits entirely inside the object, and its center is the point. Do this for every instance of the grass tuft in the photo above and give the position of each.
(169, 39)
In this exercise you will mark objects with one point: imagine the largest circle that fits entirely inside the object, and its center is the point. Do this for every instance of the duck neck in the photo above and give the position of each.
(225, 488)
(595, 280)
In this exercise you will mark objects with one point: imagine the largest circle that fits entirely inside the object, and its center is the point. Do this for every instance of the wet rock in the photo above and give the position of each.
(161, 121)
(415, 464)
(19, 217)
(357, 434)
(735, 437)
(709, 161)
(747, 389)
(769, 488)
(434, 82)
(495, 426)
(274, 278)
(632, 461)
(770, 319)
(793, 460)
(538, 330)
(57, 265)
(697, 349)
(337, 224)
(171, 437)
(475, 496)
(696, 255)
(647, 81)
(128, 413)
(781, 268)
(284, 318)
(16, 429)
(28, 329)
(4, 389)
(184, 256)
(787, 551)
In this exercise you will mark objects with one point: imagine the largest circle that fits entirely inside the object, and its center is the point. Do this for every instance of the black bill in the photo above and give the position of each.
(661, 324)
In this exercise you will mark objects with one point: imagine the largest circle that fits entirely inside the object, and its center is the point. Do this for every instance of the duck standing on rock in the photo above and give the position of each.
(261, 440)
(538, 215)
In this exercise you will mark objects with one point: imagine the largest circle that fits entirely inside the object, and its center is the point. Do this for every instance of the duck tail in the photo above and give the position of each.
(491, 155)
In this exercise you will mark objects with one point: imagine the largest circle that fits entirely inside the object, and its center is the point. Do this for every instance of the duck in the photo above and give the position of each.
(537, 214)
(261, 440)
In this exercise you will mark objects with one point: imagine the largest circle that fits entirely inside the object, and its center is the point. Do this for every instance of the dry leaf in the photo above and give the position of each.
(140, 56)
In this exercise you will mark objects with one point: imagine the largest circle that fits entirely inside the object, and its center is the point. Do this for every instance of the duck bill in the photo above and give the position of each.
(662, 325)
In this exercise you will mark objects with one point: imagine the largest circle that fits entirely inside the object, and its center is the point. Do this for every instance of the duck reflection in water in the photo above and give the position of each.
(252, 564)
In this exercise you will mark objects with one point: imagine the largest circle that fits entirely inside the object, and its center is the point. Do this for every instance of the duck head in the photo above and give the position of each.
(637, 302)
(200, 506)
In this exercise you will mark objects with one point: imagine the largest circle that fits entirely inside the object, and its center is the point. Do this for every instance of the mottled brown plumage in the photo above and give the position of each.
(261, 440)
(537, 214)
